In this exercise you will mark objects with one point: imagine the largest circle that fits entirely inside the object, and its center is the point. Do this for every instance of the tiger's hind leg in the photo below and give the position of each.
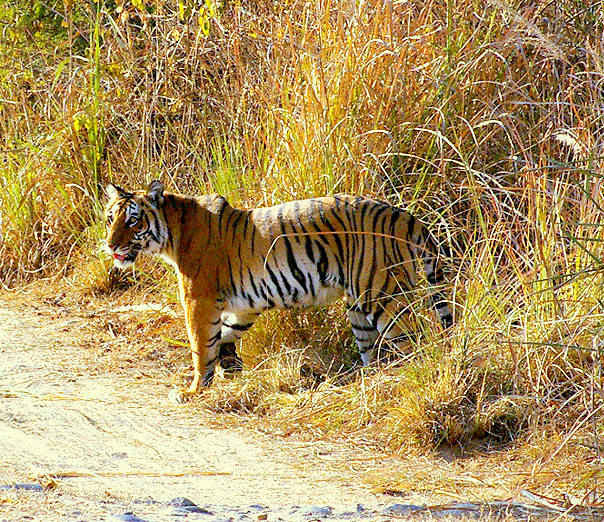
(233, 327)
(365, 335)
(390, 321)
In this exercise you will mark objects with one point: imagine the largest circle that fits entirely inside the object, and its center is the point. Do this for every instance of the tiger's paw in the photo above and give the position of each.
(231, 367)
(180, 397)
(230, 362)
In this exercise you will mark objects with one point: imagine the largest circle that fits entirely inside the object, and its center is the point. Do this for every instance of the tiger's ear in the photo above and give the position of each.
(156, 193)
(114, 192)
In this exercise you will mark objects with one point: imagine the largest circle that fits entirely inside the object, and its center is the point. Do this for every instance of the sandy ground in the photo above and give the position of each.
(86, 440)
(114, 444)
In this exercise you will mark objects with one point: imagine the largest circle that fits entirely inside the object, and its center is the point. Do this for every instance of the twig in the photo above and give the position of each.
(128, 474)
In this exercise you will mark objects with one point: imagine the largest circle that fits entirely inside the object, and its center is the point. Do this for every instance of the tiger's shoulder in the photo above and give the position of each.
(189, 206)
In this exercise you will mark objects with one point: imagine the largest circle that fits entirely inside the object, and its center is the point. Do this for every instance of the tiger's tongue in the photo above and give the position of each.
(119, 257)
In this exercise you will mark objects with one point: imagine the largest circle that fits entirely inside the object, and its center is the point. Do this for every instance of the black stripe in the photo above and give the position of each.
(297, 214)
(275, 281)
(365, 206)
(311, 285)
(230, 269)
(376, 317)
(288, 287)
(384, 240)
(347, 239)
(213, 340)
(246, 224)
(242, 286)
(384, 289)
(410, 248)
(209, 376)
(237, 220)
(322, 265)
(170, 239)
(239, 327)
(228, 224)
(313, 205)
(396, 214)
(149, 230)
(362, 328)
(409, 240)
(410, 229)
(339, 258)
(309, 251)
(293, 266)
(263, 288)
(359, 266)
(223, 205)
(380, 210)
(249, 272)
(354, 241)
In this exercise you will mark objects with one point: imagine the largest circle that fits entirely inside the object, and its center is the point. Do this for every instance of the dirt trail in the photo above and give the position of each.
(127, 447)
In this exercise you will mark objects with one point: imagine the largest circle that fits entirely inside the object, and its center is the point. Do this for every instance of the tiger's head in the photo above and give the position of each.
(134, 223)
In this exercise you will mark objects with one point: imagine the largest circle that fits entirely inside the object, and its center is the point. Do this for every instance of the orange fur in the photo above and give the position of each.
(232, 264)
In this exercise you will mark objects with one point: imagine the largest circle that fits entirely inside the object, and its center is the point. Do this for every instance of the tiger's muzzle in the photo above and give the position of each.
(123, 256)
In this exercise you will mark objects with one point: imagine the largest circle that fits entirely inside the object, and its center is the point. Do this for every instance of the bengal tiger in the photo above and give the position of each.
(232, 264)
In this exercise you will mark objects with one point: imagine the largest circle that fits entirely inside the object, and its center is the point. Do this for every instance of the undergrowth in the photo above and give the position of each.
(484, 120)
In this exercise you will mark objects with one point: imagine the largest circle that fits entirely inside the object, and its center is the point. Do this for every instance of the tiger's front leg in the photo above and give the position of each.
(204, 325)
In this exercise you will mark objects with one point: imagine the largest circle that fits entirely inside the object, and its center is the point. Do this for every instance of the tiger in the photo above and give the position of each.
(233, 264)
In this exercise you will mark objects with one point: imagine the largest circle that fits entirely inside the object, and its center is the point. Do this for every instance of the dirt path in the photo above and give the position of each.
(80, 443)
(119, 446)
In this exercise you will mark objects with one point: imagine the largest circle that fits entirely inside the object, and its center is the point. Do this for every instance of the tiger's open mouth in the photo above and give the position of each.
(123, 260)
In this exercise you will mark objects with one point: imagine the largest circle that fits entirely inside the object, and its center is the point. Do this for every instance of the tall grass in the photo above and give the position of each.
(484, 120)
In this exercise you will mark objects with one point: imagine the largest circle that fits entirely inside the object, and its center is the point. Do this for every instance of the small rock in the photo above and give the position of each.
(120, 455)
(394, 492)
(148, 501)
(26, 487)
(317, 511)
(129, 517)
(402, 509)
(185, 505)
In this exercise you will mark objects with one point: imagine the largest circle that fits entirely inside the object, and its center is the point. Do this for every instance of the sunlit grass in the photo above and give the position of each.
(485, 122)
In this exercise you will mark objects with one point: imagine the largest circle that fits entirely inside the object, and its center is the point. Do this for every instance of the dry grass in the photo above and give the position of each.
(484, 121)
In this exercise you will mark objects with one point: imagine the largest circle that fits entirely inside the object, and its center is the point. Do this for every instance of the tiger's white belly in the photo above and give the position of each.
(323, 295)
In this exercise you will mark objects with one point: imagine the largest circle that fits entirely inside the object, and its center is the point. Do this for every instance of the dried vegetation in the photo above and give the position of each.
(484, 119)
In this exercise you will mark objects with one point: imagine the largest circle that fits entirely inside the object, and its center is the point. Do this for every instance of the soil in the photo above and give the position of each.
(102, 445)
(87, 432)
